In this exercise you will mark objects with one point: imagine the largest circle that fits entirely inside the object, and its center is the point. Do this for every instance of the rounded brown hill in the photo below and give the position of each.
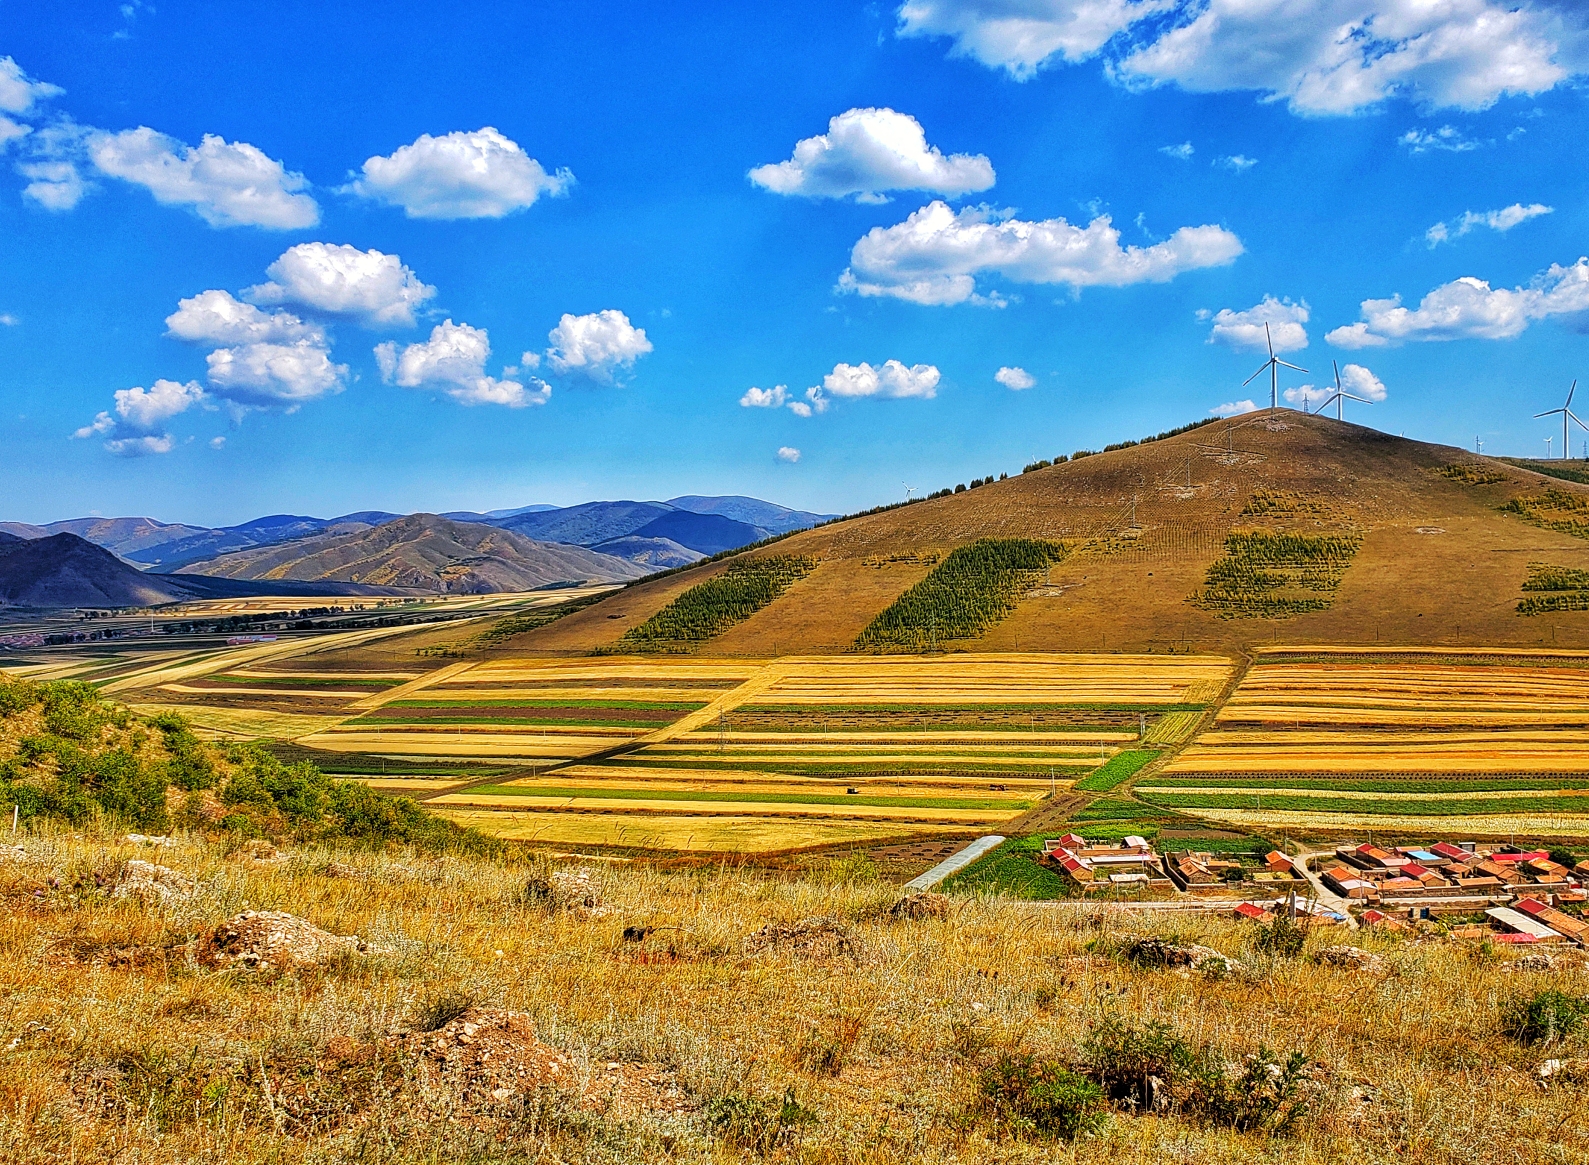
(1393, 541)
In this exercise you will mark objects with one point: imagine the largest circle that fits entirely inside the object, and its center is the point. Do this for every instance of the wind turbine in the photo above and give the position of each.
(1272, 365)
(1341, 394)
(1566, 415)
(909, 489)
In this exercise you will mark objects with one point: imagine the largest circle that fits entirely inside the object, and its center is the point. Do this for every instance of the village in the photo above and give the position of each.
(1502, 894)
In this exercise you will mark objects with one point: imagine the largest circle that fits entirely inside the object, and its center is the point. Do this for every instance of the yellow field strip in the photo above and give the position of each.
(507, 671)
(1347, 714)
(211, 662)
(247, 723)
(263, 674)
(1383, 649)
(684, 834)
(462, 694)
(771, 809)
(1481, 825)
(1336, 795)
(609, 775)
(1233, 762)
(930, 787)
(239, 690)
(443, 747)
(404, 691)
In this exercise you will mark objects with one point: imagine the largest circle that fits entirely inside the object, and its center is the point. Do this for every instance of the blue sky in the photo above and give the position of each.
(263, 224)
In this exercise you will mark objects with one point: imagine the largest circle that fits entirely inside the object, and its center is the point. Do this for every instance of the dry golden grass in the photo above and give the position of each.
(1492, 825)
(156, 1061)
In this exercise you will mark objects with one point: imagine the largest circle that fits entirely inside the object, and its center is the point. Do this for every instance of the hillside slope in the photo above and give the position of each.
(427, 552)
(1439, 562)
(64, 570)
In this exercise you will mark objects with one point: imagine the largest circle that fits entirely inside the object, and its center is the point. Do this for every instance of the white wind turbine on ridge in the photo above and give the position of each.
(1341, 395)
(1272, 365)
(1567, 416)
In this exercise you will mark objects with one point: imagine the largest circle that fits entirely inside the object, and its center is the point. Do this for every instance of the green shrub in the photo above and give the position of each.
(1281, 937)
(1024, 1096)
(756, 1123)
(18, 695)
(1547, 1017)
(1126, 1058)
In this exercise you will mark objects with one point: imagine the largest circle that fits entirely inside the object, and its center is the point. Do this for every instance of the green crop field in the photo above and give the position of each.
(1119, 768)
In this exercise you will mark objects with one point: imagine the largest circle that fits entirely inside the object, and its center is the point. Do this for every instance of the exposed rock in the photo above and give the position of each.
(274, 940)
(1565, 1071)
(1533, 961)
(925, 904)
(151, 884)
(495, 1061)
(571, 890)
(1351, 958)
(1152, 951)
(812, 938)
(141, 839)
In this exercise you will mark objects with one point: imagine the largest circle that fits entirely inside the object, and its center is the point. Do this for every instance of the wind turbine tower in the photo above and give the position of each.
(1272, 366)
(1341, 394)
(1567, 416)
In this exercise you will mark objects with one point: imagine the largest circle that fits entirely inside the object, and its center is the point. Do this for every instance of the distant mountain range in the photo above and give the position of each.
(423, 552)
(109, 562)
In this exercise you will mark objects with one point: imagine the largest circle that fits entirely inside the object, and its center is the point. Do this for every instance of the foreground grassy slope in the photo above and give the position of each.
(1439, 562)
(907, 1046)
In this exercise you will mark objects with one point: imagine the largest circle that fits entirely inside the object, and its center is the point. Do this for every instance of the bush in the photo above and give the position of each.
(758, 1124)
(1127, 1058)
(1261, 1097)
(1281, 937)
(1025, 1096)
(18, 695)
(1547, 1017)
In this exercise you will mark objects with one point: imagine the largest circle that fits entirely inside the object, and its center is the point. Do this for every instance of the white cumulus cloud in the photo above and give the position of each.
(1321, 57)
(765, 398)
(815, 402)
(1497, 220)
(890, 380)
(10, 131)
(137, 428)
(18, 91)
(1015, 379)
(1020, 36)
(1236, 163)
(935, 255)
(597, 345)
(1360, 381)
(1234, 408)
(869, 151)
(1307, 395)
(216, 317)
(1245, 329)
(227, 183)
(478, 174)
(788, 453)
(1469, 308)
(1184, 151)
(340, 279)
(453, 361)
(267, 375)
(54, 185)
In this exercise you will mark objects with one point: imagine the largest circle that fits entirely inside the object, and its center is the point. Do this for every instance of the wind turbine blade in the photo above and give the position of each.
(1551, 413)
(1255, 376)
(1349, 396)
(1337, 368)
(1577, 418)
(1570, 391)
(1290, 365)
(1268, 340)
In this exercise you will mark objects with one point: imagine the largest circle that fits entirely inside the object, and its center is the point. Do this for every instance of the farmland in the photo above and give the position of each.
(842, 749)
(1462, 742)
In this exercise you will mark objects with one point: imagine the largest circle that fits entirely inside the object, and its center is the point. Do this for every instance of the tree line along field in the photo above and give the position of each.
(1456, 743)
(841, 749)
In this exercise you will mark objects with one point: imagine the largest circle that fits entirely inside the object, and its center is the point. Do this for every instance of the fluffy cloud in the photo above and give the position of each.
(1447, 138)
(1015, 379)
(788, 453)
(1307, 395)
(217, 318)
(1020, 36)
(815, 402)
(137, 427)
(1497, 220)
(1184, 151)
(1245, 329)
(453, 360)
(342, 280)
(7, 320)
(765, 398)
(460, 175)
(934, 256)
(1236, 163)
(1360, 381)
(57, 186)
(596, 345)
(1234, 408)
(18, 91)
(10, 131)
(227, 183)
(1319, 56)
(1470, 308)
(890, 380)
(868, 151)
(267, 375)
